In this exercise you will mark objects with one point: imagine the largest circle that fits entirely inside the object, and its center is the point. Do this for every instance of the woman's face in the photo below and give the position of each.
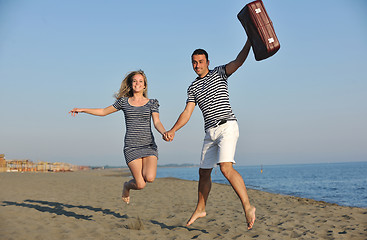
(138, 83)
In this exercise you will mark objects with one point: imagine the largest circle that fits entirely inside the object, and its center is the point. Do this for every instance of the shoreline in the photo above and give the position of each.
(328, 184)
(87, 205)
(126, 173)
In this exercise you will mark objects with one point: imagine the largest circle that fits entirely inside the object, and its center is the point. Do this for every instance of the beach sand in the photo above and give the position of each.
(88, 205)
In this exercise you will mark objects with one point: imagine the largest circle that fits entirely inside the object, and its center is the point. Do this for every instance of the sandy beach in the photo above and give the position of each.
(87, 205)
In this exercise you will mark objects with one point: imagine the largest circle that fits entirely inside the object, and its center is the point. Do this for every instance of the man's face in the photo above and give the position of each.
(200, 65)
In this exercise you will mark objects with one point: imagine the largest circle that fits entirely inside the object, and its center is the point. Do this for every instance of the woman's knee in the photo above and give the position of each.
(140, 185)
(149, 178)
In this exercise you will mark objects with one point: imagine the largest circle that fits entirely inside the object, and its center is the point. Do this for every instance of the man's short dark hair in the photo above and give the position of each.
(200, 51)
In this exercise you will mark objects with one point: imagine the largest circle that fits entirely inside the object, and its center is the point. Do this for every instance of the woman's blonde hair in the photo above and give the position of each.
(126, 89)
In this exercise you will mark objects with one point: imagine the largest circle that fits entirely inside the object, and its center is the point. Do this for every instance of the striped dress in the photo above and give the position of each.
(139, 139)
(211, 94)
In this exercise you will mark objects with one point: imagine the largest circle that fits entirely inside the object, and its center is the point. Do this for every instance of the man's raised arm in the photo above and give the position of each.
(240, 59)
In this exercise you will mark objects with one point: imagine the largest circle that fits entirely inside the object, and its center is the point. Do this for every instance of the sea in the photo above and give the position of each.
(342, 183)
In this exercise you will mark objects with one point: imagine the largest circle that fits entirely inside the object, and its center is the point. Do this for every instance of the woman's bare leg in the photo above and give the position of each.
(150, 168)
(138, 182)
(143, 170)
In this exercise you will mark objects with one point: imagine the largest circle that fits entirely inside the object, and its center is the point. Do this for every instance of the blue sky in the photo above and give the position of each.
(306, 104)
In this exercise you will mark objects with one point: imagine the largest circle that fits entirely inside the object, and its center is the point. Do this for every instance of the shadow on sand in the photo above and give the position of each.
(59, 209)
(165, 226)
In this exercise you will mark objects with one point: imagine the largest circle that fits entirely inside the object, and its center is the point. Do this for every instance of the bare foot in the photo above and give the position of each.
(125, 194)
(195, 216)
(250, 217)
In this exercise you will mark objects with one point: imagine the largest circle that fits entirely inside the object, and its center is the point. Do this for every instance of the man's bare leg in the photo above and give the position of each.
(236, 180)
(205, 184)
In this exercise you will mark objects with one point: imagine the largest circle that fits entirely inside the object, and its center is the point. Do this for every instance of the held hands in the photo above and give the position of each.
(169, 136)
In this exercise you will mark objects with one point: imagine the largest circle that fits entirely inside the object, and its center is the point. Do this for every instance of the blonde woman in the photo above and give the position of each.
(140, 149)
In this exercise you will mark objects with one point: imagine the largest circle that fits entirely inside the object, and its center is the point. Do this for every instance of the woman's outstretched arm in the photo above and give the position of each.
(94, 111)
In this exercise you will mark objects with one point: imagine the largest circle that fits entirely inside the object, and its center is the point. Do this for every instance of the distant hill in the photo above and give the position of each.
(178, 165)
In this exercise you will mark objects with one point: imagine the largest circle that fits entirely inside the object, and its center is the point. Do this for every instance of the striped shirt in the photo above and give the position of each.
(138, 122)
(211, 94)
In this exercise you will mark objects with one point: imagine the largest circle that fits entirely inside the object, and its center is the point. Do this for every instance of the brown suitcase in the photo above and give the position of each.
(259, 29)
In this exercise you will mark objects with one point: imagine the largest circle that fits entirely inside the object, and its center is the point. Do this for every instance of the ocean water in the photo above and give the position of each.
(341, 183)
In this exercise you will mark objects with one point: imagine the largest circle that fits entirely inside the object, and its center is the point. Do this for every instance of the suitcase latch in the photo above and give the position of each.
(271, 40)
(257, 10)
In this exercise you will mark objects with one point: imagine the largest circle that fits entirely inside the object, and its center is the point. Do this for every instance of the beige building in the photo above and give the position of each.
(2, 163)
(29, 166)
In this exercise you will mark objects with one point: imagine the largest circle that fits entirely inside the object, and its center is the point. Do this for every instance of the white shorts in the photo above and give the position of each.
(219, 145)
